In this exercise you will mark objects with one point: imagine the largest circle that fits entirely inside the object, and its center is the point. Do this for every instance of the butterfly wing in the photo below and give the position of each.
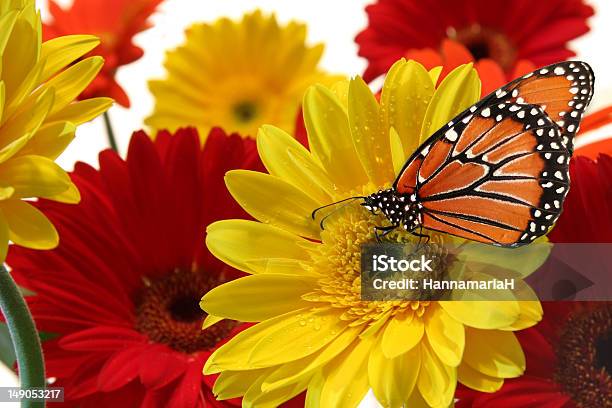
(498, 174)
(563, 90)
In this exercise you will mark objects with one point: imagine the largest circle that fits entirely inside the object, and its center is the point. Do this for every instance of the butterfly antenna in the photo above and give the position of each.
(314, 213)
(350, 200)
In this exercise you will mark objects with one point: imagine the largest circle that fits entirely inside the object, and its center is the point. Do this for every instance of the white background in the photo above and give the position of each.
(334, 23)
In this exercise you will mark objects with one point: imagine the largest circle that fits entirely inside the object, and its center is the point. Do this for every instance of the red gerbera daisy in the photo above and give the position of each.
(504, 31)
(569, 362)
(121, 291)
(115, 22)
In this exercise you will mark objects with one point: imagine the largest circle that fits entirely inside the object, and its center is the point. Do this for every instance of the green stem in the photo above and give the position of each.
(23, 335)
(109, 131)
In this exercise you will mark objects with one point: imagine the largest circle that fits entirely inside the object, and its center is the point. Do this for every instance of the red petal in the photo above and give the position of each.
(161, 366)
(491, 75)
(120, 369)
(188, 391)
(102, 338)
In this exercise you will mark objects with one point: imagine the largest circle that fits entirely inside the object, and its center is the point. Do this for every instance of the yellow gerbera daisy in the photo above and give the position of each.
(314, 331)
(237, 75)
(38, 119)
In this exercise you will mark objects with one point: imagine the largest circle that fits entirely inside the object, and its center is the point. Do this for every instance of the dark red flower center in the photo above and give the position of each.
(483, 42)
(245, 111)
(584, 354)
(603, 348)
(168, 312)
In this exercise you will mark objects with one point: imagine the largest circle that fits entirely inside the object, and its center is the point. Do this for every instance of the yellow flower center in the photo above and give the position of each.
(339, 255)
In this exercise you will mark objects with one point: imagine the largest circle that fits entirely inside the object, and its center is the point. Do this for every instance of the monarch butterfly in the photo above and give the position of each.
(499, 172)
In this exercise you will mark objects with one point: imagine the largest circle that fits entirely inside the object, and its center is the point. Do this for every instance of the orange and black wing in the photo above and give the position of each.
(562, 90)
(497, 174)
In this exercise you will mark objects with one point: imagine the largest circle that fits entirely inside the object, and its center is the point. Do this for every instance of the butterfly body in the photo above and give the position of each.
(400, 209)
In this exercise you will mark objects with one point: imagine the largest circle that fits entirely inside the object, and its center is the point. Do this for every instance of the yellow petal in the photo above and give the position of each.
(11, 149)
(24, 89)
(279, 151)
(34, 176)
(341, 90)
(4, 236)
(393, 380)
(70, 196)
(330, 139)
(459, 90)
(7, 22)
(6, 192)
(405, 96)
(397, 151)
(27, 121)
(256, 298)
(82, 111)
(346, 382)
(233, 355)
(401, 335)
(374, 328)
(236, 242)
(69, 83)
(255, 398)
(477, 380)
(445, 334)
(436, 380)
(50, 140)
(434, 74)
(495, 353)
(282, 266)
(313, 394)
(20, 52)
(210, 321)
(296, 337)
(416, 401)
(28, 226)
(369, 137)
(61, 51)
(2, 97)
(234, 384)
(274, 201)
(296, 370)
(483, 314)
(530, 314)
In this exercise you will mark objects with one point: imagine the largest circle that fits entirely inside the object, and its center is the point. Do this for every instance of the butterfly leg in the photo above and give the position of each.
(421, 235)
(385, 231)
